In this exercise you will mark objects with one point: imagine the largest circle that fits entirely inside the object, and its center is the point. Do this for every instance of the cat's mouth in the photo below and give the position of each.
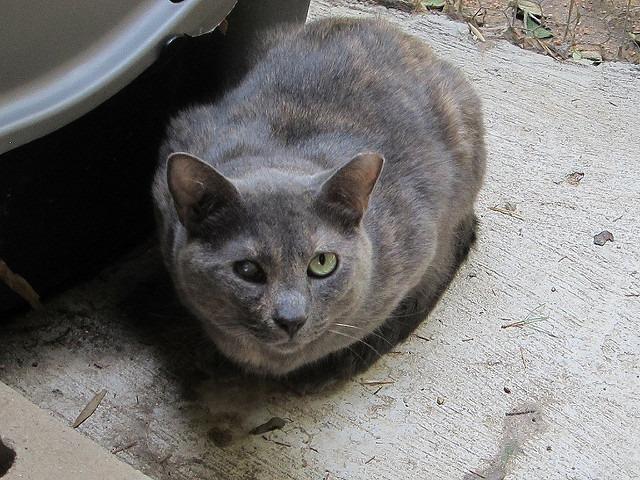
(291, 345)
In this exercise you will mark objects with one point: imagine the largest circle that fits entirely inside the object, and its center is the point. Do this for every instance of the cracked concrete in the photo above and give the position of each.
(443, 409)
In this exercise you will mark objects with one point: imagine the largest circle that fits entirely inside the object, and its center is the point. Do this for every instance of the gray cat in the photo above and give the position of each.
(314, 214)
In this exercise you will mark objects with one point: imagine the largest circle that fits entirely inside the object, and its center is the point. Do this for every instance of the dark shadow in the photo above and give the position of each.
(7, 458)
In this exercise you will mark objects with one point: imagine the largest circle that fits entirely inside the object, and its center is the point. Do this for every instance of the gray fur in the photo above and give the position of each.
(316, 98)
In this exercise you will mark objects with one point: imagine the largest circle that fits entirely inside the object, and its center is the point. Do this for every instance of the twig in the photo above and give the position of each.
(370, 460)
(377, 382)
(477, 474)
(524, 412)
(504, 211)
(58, 338)
(626, 17)
(126, 447)
(525, 322)
(566, 30)
(422, 338)
(282, 444)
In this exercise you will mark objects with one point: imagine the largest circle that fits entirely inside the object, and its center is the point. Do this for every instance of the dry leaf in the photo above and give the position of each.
(89, 409)
(574, 178)
(19, 285)
(276, 423)
(476, 32)
(530, 7)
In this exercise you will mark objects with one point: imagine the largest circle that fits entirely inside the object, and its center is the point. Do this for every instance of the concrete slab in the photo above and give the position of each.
(557, 398)
(46, 449)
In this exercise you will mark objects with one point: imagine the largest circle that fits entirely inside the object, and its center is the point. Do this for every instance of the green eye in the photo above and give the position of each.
(322, 265)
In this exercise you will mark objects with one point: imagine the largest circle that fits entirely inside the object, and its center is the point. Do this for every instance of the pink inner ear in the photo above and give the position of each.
(352, 184)
(190, 179)
(186, 176)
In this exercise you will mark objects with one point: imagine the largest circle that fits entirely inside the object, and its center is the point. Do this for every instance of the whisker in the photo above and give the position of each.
(356, 354)
(415, 312)
(375, 334)
(357, 340)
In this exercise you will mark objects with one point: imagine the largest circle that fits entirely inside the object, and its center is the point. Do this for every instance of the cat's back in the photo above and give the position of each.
(338, 86)
(365, 63)
(368, 79)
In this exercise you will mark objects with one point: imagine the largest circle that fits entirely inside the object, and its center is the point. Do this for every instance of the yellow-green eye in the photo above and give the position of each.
(323, 265)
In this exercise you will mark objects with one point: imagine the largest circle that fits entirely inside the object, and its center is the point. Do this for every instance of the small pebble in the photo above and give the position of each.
(507, 390)
(440, 400)
(603, 237)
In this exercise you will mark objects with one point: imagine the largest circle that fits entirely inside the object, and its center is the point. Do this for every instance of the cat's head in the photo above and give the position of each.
(272, 261)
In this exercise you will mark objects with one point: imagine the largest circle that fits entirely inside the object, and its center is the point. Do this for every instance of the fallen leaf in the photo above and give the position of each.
(433, 3)
(89, 409)
(19, 285)
(574, 178)
(594, 55)
(534, 28)
(276, 423)
(476, 32)
(603, 237)
(529, 7)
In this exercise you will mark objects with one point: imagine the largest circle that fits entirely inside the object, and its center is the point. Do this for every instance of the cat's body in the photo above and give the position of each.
(318, 97)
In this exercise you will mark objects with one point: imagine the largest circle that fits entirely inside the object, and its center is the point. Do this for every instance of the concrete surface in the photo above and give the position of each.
(46, 450)
(452, 402)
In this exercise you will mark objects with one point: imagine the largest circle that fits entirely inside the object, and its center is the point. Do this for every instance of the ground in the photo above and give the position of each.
(581, 30)
(528, 368)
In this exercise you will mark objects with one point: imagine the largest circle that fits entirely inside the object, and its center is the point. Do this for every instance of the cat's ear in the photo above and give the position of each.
(347, 191)
(198, 189)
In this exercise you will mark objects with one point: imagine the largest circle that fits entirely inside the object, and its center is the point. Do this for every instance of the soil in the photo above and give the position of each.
(583, 30)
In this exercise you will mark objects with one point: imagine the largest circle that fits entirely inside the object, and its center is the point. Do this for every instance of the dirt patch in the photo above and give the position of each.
(589, 31)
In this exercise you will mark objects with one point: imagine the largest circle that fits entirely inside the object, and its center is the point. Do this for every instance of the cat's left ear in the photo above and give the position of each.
(347, 191)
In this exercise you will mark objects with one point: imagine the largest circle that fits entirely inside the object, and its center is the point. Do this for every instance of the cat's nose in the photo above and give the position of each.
(289, 324)
(290, 311)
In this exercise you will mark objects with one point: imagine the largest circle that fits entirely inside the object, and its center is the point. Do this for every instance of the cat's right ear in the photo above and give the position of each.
(346, 192)
(198, 189)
